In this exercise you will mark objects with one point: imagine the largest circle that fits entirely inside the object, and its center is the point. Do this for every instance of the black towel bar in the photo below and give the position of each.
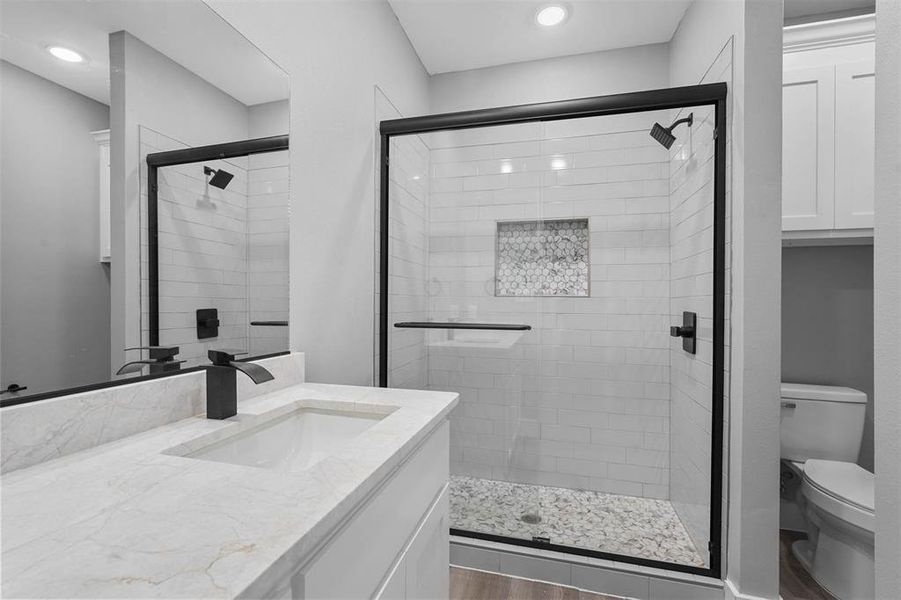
(457, 325)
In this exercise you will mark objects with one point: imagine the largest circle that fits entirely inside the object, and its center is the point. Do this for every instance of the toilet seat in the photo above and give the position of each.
(842, 489)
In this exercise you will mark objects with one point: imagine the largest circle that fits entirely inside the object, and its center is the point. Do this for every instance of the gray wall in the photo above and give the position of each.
(827, 322)
(55, 294)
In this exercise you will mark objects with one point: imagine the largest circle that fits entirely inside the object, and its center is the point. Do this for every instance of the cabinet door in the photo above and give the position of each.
(855, 140)
(396, 586)
(428, 558)
(808, 107)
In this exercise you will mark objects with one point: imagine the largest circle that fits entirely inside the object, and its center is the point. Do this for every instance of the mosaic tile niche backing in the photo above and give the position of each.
(542, 258)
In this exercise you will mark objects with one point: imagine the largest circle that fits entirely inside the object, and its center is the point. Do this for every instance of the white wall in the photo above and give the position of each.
(753, 29)
(593, 74)
(148, 89)
(335, 53)
(887, 291)
(55, 290)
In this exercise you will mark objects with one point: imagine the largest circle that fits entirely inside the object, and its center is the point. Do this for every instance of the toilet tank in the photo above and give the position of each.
(821, 421)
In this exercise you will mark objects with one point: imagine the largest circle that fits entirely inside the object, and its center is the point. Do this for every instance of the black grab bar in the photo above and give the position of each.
(456, 325)
(269, 323)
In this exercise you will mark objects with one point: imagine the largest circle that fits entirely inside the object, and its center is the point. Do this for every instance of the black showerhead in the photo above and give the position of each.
(220, 178)
(664, 135)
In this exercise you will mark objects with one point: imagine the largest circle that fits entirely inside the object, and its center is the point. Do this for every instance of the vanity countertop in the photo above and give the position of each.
(126, 520)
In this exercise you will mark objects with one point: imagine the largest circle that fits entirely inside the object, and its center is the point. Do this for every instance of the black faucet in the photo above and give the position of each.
(160, 358)
(222, 382)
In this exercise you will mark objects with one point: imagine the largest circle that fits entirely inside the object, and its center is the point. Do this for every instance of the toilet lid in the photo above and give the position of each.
(843, 480)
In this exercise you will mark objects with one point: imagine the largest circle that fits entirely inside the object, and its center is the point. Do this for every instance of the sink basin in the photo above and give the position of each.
(291, 442)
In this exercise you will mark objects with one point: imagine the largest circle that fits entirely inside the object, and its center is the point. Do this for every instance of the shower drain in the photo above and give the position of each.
(530, 518)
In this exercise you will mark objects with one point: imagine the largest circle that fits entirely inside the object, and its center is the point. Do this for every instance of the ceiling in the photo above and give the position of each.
(457, 35)
(188, 32)
(800, 9)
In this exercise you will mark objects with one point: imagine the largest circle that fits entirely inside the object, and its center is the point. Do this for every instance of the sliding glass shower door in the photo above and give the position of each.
(541, 269)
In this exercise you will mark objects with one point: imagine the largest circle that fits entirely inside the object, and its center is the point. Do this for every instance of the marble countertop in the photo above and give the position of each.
(126, 520)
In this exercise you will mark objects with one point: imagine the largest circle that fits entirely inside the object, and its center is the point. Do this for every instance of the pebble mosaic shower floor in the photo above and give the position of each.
(640, 527)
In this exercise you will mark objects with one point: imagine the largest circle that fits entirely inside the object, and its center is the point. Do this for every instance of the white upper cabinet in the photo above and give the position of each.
(855, 131)
(808, 118)
(828, 128)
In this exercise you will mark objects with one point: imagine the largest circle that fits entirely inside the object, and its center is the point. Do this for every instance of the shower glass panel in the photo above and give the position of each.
(224, 248)
(567, 249)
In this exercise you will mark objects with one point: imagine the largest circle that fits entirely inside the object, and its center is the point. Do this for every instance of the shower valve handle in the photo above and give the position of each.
(688, 331)
(684, 332)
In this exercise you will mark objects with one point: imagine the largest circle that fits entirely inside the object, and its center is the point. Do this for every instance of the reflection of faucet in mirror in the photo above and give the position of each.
(160, 358)
(222, 383)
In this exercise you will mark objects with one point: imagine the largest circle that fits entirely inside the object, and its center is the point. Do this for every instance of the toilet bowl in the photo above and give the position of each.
(837, 500)
(821, 431)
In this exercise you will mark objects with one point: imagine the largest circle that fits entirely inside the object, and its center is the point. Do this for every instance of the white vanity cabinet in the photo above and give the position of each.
(828, 128)
(395, 545)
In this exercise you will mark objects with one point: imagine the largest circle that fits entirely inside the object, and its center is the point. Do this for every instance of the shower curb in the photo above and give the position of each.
(590, 574)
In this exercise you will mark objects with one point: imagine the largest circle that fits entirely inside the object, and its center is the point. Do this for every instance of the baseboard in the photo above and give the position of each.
(732, 593)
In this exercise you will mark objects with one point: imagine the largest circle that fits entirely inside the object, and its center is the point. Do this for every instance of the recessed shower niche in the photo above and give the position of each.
(542, 258)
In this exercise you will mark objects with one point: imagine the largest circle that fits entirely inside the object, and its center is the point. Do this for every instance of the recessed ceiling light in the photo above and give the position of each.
(551, 15)
(65, 54)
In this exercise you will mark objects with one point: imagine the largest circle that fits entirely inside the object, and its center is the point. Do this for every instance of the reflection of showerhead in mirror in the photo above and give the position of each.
(664, 135)
(220, 178)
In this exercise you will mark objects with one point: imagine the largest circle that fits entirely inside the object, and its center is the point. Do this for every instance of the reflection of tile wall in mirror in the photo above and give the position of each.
(542, 258)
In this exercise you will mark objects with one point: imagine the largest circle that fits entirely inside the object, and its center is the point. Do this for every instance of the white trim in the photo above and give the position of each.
(828, 34)
(732, 592)
(828, 237)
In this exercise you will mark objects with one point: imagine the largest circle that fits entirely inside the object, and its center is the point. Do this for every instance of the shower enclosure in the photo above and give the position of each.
(564, 271)
(217, 246)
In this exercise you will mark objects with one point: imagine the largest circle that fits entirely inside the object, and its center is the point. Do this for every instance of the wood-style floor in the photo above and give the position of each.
(467, 584)
(794, 582)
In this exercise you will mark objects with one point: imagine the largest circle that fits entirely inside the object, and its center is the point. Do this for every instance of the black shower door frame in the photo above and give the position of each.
(713, 94)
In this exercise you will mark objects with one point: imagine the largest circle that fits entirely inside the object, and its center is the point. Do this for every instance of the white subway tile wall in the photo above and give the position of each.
(583, 399)
(409, 248)
(268, 216)
(691, 232)
(691, 235)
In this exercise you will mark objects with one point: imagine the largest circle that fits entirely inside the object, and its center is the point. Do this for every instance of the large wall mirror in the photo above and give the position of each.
(90, 89)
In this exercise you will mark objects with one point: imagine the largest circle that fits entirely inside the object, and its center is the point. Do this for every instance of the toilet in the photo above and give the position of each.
(821, 430)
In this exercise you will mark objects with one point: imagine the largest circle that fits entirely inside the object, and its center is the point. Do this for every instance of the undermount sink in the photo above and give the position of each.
(290, 442)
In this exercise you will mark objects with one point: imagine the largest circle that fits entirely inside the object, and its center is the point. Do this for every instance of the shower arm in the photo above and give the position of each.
(689, 120)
